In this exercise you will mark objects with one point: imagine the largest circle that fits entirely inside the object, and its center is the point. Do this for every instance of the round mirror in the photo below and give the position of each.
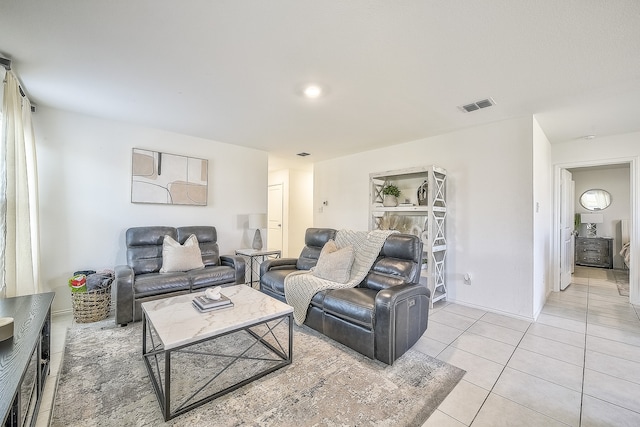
(595, 200)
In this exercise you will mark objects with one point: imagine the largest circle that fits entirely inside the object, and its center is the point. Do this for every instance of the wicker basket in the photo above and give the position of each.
(91, 306)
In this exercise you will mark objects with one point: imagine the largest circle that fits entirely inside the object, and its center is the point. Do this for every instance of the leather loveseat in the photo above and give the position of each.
(383, 316)
(140, 280)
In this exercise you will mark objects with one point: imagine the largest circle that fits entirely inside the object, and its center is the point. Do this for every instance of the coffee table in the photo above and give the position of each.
(213, 353)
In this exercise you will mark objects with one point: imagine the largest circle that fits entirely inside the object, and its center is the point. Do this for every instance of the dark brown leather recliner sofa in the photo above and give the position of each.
(383, 316)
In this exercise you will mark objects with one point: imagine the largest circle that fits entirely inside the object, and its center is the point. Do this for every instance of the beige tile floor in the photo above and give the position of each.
(577, 365)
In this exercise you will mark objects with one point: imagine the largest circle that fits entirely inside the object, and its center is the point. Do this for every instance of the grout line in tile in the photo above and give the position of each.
(498, 379)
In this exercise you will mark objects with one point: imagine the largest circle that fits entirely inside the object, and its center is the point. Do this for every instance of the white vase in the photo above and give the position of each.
(389, 200)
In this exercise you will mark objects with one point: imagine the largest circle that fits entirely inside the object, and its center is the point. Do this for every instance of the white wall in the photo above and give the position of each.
(297, 210)
(601, 150)
(301, 212)
(490, 230)
(84, 167)
(542, 217)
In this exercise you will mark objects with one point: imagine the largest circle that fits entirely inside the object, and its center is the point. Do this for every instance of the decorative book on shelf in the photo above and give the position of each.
(204, 304)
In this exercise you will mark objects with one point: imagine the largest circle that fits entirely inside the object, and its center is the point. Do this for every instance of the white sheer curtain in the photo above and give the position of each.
(19, 233)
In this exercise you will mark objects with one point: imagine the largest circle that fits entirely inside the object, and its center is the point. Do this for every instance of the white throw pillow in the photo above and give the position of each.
(334, 264)
(176, 257)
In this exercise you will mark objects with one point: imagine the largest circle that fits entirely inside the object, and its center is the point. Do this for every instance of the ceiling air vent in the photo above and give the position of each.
(483, 103)
(303, 154)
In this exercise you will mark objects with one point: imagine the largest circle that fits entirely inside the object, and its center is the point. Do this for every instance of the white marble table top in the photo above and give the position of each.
(177, 322)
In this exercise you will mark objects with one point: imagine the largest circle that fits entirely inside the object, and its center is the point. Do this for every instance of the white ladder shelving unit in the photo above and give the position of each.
(418, 215)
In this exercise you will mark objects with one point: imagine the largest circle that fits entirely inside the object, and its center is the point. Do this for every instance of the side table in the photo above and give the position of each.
(256, 257)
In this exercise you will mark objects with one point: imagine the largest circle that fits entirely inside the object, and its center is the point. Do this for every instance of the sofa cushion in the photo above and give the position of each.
(177, 257)
(318, 299)
(144, 247)
(334, 264)
(355, 305)
(314, 239)
(378, 282)
(207, 239)
(156, 283)
(388, 272)
(403, 246)
(399, 263)
(209, 276)
(308, 258)
(274, 280)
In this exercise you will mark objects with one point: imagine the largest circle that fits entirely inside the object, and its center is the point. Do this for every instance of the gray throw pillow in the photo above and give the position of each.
(334, 264)
(176, 257)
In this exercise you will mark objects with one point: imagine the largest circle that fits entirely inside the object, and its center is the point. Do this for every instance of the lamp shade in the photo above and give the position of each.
(591, 218)
(257, 221)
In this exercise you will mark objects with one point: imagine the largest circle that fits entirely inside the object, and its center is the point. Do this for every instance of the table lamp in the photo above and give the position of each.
(591, 220)
(257, 221)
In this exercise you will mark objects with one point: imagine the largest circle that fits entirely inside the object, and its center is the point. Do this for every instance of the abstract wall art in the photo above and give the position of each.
(168, 179)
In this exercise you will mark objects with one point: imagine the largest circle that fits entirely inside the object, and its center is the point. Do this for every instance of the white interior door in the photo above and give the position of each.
(566, 228)
(572, 249)
(274, 217)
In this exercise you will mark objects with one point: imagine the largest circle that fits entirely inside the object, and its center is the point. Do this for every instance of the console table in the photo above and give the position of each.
(256, 257)
(24, 358)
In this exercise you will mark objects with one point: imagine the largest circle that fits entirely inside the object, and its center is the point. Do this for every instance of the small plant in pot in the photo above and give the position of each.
(390, 193)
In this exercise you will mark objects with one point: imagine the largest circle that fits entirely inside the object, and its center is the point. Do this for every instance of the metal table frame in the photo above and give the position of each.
(257, 257)
(162, 386)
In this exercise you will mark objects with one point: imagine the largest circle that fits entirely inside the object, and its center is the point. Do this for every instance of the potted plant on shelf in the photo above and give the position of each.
(390, 193)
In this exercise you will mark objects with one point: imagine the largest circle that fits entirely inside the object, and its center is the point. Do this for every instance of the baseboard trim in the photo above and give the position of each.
(492, 310)
(64, 312)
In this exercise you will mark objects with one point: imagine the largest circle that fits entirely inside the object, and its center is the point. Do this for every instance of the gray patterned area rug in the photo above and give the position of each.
(103, 382)
(622, 281)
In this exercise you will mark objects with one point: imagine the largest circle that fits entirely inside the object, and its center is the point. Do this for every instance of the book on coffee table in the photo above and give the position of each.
(206, 310)
(207, 304)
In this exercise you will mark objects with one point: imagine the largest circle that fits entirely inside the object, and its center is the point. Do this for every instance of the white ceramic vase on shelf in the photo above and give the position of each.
(389, 201)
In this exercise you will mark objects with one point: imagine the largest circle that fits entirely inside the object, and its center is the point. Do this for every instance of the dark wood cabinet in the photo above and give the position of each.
(594, 251)
(24, 358)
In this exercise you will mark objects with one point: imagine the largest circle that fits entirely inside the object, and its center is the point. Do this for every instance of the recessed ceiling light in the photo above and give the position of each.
(312, 91)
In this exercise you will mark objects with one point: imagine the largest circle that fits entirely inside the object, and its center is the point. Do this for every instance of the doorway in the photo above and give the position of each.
(634, 211)
(275, 216)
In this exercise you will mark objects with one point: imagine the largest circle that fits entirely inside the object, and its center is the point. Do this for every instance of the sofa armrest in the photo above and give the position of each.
(237, 262)
(401, 318)
(277, 264)
(123, 281)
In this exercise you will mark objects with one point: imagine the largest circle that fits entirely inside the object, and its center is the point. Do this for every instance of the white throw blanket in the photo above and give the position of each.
(626, 253)
(301, 286)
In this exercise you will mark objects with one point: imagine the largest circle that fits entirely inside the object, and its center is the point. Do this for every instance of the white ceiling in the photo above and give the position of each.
(396, 71)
